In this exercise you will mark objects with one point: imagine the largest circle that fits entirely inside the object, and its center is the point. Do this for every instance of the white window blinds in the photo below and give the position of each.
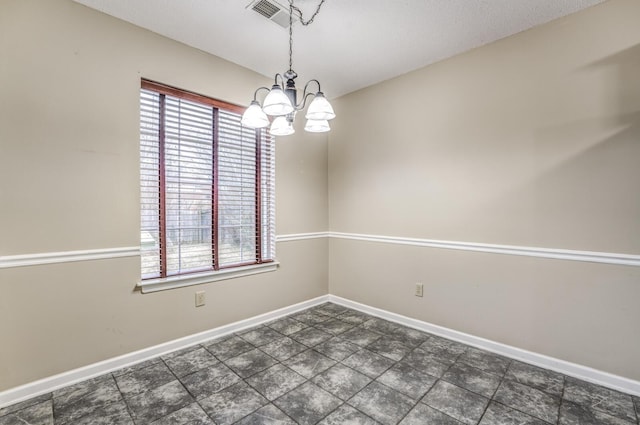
(207, 185)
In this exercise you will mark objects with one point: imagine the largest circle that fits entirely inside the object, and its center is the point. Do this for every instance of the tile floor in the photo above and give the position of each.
(332, 366)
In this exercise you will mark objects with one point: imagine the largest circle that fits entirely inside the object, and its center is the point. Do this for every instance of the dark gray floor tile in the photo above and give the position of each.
(329, 309)
(461, 404)
(425, 415)
(337, 348)
(425, 362)
(407, 380)
(309, 318)
(382, 403)
(68, 395)
(112, 414)
(267, 415)
(66, 411)
(472, 379)
(445, 348)
(597, 397)
(35, 414)
(189, 362)
(528, 400)
(347, 415)
(159, 402)
(381, 326)
(250, 363)
(275, 381)
(180, 352)
(361, 336)
(229, 347)
(485, 360)
(390, 348)
(307, 404)
(142, 365)
(334, 326)
(341, 381)
(232, 403)
(528, 395)
(189, 415)
(498, 414)
(309, 363)
(410, 337)
(260, 336)
(210, 380)
(24, 404)
(287, 326)
(574, 414)
(141, 380)
(354, 317)
(368, 362)
(546, 380)
(283, 348)
(311, 336)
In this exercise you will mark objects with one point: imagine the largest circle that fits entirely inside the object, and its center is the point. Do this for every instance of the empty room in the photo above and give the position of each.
(320, 212)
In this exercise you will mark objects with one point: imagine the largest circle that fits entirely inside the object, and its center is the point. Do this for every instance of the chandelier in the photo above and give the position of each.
(281, 101)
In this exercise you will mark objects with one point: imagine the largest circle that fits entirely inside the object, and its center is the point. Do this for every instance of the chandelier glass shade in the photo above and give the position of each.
(317, 126)
(254, 116)
(277, 103)
(281, 126)
(320, 108)
(281, 103)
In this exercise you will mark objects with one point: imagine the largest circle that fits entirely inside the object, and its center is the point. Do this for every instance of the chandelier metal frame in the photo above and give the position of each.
(281, 101)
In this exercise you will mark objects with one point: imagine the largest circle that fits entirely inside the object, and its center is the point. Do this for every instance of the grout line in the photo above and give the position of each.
(564, 386)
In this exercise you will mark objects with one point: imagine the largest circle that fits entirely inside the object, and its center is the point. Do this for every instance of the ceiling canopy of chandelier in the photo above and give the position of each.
(281, 101)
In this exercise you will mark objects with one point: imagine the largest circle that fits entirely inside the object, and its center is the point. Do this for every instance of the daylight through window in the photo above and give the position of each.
(207, 185)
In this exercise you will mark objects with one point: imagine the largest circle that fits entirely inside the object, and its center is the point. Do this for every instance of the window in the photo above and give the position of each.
(207, 185)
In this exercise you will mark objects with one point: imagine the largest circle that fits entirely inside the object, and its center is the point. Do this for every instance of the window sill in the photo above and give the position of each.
(154, 285)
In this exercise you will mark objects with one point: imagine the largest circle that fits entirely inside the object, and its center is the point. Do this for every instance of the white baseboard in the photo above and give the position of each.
(43, 386)
(52, 383)
(585, 373)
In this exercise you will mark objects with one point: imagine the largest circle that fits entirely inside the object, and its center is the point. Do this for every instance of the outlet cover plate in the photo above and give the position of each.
(200, 299)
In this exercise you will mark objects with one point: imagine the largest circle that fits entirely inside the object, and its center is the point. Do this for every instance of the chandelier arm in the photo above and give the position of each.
(275, 80)
(303, 103)
(307, 85)
(255, 94)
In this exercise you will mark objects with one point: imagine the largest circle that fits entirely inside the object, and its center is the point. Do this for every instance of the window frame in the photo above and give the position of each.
(166, 280)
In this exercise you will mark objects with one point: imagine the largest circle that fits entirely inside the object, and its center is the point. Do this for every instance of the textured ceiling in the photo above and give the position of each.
(351, 44)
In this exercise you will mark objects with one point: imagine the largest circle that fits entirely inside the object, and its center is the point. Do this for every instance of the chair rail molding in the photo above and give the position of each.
(553, 253)
(26, 260)
(624, 259)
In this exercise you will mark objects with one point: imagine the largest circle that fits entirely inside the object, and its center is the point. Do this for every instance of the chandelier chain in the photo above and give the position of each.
(299, 12)
(293, 8)
(290, 35)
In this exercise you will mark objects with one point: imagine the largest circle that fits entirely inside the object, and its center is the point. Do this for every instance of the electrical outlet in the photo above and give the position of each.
(419, 289)
(200, 298)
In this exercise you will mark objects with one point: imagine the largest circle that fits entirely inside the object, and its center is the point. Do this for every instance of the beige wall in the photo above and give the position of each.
(534, 141)
(69, 81)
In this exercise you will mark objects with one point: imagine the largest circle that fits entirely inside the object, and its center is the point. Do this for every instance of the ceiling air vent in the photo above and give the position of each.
(271, 10)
